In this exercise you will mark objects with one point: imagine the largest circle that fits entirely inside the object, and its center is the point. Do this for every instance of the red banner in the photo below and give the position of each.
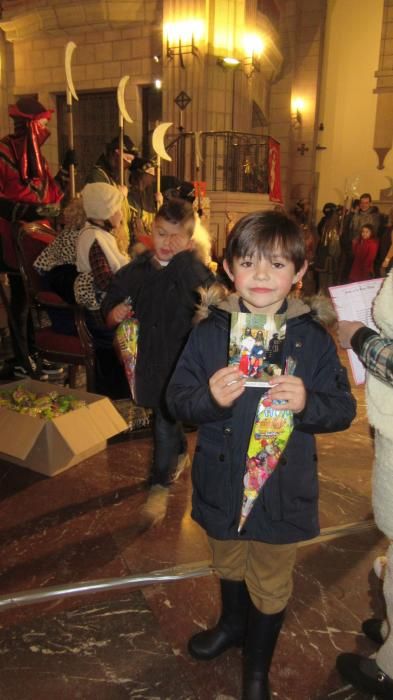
(274, 174)
(200, 188)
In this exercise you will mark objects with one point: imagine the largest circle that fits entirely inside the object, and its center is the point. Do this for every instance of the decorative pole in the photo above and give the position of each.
(123, 114)
(71, 93)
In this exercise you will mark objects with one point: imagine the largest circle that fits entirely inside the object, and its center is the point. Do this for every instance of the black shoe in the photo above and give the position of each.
(20, 372)
(230, 629)
(364, 675)
(51, 368)
(372, 630)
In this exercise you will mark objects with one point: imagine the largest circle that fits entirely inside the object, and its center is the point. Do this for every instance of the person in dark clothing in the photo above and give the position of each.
(328, 250)
(106, 169)
(162, 285)
(142, 202)
(384, 259)
(265, 257)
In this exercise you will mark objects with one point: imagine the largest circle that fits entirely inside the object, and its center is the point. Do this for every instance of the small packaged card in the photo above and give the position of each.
(256, 345)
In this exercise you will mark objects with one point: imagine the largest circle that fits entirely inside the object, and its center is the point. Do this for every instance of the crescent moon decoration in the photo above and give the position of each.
(158, 140)
(70, 48)
(120, 99)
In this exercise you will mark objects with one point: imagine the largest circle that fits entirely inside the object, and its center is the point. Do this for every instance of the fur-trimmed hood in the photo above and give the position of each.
(218, 296)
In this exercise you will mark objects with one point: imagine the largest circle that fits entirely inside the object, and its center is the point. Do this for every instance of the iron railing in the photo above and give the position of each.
(230, 161)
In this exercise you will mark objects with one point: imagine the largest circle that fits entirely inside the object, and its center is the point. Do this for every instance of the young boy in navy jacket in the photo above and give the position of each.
(265, 257)
(162, 285)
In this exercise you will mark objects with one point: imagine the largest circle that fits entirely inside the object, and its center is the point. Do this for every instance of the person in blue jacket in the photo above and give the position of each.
(265, 257)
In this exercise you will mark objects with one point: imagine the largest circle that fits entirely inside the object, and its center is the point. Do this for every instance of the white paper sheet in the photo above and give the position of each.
(353, 302)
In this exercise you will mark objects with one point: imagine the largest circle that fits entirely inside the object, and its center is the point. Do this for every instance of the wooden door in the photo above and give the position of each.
(95, 117)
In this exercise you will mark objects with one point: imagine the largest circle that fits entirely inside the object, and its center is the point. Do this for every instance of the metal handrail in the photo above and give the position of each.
(233, 161)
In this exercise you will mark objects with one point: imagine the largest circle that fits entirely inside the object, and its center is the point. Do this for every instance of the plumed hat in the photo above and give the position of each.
(100, 200)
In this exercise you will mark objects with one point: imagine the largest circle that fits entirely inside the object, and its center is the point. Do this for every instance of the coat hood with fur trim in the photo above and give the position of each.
(217, 296)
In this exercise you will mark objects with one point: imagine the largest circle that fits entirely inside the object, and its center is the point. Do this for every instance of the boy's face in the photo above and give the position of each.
(263, 284)
(169, 239)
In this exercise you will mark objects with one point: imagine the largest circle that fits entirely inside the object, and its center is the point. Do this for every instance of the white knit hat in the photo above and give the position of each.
(100, 200)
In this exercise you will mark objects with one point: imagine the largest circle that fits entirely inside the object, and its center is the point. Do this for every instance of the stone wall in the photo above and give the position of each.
(98, 62)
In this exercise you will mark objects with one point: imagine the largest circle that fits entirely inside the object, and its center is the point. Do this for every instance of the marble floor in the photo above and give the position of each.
(131, 643)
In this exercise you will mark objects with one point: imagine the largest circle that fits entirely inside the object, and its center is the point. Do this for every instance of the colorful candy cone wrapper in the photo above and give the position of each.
(127, 337)
(270, 433)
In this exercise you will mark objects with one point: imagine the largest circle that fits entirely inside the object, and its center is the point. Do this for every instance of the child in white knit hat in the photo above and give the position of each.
(97, 249)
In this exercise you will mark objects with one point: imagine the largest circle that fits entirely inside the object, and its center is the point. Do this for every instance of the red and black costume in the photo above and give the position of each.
(26, 188)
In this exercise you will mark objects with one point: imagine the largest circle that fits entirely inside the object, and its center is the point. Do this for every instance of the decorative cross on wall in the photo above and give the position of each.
(302, 149)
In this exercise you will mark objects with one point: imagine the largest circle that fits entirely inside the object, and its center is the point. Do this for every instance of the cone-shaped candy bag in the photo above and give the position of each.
(127, 338)
(269, 436)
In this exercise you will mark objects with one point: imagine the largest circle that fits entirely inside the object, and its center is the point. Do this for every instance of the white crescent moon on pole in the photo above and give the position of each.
(158, 140)
(70, 48)
(120, 98)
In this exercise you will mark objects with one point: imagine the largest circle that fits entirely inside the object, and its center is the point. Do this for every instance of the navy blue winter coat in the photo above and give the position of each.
(286, 509)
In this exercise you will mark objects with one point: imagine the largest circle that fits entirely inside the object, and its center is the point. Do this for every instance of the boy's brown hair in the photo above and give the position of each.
(177, 211)
(266, 233)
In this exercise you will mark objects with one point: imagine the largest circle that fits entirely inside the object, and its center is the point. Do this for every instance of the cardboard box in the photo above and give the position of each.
(51, 446)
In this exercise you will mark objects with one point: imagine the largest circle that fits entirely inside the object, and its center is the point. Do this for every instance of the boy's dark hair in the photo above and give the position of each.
(365, 195)
(370, 228)
(263, 233)
(176, 211)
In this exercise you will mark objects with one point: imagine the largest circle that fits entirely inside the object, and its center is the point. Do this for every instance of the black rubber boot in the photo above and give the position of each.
(230, 629)
(261, 640)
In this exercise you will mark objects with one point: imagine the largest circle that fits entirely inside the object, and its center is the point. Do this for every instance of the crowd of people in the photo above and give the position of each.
(349, 244)
(126, 252)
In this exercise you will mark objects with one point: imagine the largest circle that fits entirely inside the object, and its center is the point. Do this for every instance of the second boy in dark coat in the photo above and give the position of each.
(163, 288)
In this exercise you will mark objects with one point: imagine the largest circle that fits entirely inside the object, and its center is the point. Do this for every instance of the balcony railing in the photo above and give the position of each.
(230, 161)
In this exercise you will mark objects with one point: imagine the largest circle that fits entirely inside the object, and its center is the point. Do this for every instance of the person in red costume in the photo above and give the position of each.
(365, 249)
(28, 192)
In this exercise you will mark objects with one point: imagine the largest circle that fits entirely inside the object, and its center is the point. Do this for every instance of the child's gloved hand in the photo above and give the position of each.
(226, 385)
(118, 314)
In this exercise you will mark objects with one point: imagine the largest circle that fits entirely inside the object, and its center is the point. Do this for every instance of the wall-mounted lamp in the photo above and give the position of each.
(297, 111)
(247, 65)
(253, 47)
(158, 84)
(181, 38)
(228, 62)
(251, 64)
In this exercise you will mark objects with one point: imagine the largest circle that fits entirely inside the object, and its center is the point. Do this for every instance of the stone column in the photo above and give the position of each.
(383, 135)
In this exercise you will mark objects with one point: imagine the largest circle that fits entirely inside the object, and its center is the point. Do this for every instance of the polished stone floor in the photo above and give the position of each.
(131, 643)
